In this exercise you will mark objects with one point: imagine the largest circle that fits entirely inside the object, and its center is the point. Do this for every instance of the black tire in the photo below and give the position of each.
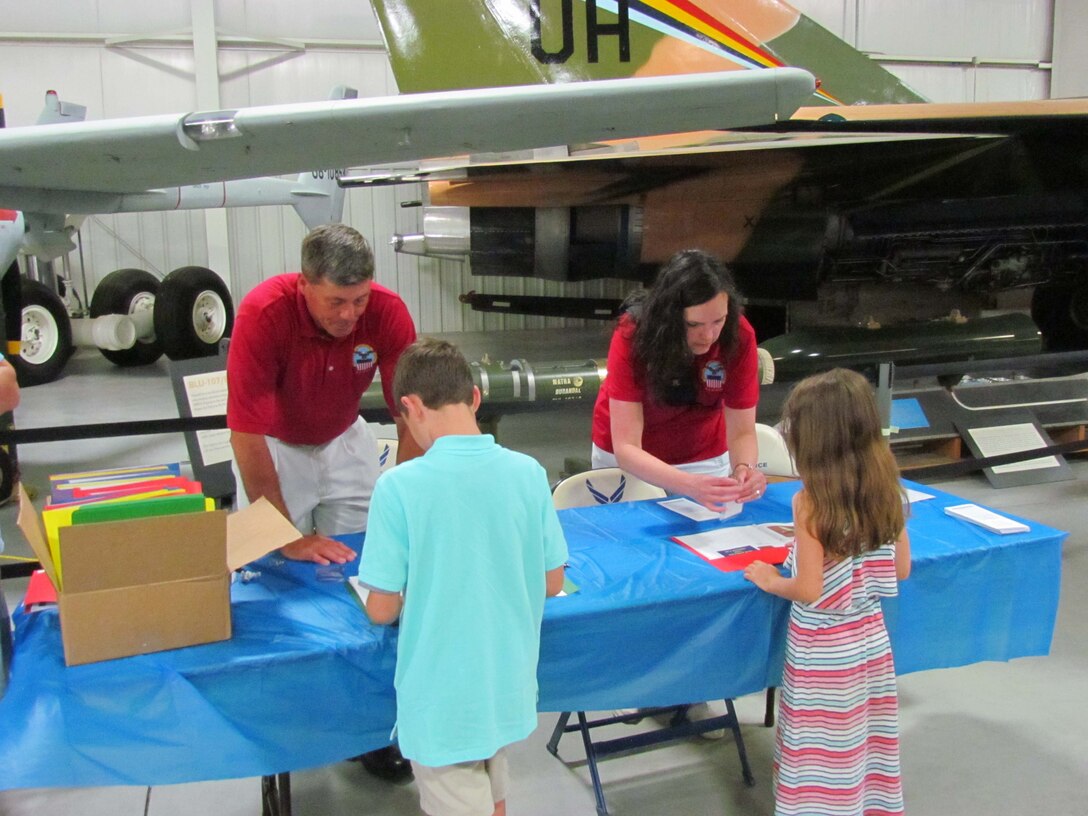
(1060, 310)
(193, 312)
(126, 292)
(47, 335)
(9, 473)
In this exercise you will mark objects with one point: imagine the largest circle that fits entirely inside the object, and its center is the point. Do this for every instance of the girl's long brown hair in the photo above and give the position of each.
(851, 481)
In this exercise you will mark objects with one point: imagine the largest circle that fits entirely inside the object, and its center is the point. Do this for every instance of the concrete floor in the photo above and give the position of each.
(995, 739)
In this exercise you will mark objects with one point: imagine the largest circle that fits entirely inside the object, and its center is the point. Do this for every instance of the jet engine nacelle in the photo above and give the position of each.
(777, 257)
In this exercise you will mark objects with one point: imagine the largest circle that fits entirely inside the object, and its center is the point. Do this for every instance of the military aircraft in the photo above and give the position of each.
(868, 206)
(51, 170)
(126, 319)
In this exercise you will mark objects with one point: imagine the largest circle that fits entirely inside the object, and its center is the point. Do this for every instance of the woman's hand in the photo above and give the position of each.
(712, 492)
(752, 482)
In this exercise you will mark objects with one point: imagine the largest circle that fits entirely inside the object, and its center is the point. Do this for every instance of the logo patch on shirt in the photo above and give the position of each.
(364, 357)
(714, 375)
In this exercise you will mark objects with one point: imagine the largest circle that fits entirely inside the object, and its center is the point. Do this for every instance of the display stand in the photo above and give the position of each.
(200, 388)
(1010, 431)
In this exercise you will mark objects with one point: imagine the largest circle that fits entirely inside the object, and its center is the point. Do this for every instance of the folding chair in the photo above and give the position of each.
(610, 486)
(774, 458)
(602, 486)
(387, 453)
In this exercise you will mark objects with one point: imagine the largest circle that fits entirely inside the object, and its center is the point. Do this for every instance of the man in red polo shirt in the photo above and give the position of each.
(304, 349)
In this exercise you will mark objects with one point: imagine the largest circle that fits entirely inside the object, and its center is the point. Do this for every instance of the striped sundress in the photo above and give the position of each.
(837, 750)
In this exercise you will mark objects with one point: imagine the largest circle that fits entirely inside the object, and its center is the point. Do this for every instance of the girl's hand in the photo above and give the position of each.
(761, 574)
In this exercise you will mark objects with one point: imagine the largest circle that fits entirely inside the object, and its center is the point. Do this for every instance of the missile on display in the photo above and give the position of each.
(516, 386)
(519, 386)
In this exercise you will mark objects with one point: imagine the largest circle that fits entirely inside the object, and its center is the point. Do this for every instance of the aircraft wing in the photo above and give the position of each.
(39, 165)
(890, 126)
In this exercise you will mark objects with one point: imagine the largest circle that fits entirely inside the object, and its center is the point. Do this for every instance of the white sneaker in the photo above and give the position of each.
(704, 711)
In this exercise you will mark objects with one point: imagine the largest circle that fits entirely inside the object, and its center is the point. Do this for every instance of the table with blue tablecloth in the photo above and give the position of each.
(306, 680)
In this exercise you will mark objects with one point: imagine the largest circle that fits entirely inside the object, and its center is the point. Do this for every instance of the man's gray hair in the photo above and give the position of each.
(337, 253)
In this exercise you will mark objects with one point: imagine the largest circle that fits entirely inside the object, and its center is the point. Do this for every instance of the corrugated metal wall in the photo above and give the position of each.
(948, 50)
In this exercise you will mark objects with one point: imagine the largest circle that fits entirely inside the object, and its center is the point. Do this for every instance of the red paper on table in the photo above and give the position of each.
(771, 555)
(39, 591)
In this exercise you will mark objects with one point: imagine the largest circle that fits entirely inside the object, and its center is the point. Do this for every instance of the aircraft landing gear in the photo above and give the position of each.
(46, 335)
(193, 312)
(134, 319)
(129, 292)
(1060, 310)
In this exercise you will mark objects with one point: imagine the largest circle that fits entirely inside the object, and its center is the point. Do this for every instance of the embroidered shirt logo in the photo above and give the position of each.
(714, 375)
(364, 357)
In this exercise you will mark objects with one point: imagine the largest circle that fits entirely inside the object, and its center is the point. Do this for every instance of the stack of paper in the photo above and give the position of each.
(994, 522)
(117, 494)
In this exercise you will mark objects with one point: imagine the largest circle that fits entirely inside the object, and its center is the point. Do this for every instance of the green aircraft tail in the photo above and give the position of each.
(484, 43)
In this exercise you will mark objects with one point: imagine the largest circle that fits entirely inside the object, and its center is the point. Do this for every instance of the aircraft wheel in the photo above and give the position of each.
(1060, 310)
(128, 292)
(193, 312)
(9, 474)
(46, 335)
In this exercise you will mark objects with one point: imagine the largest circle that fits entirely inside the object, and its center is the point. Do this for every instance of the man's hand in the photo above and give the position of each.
(319, 549)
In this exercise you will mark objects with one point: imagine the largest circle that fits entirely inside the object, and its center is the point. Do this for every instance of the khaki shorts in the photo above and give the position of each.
(464, 789)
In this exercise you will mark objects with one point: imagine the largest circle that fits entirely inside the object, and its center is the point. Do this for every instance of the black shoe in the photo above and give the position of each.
(386, 763)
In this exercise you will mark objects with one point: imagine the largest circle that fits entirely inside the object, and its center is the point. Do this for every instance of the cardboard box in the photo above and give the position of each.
(145, 585)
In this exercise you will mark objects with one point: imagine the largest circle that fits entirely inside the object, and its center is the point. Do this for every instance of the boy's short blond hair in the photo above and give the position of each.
(434, 370)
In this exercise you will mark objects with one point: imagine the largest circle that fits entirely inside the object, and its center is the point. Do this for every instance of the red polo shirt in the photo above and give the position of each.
(678, 434)
(289, 379)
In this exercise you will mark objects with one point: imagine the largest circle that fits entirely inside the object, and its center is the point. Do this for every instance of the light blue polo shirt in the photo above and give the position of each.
(467, 531)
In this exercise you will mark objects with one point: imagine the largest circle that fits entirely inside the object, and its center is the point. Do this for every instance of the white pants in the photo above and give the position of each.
(327, 488)
(715, 466)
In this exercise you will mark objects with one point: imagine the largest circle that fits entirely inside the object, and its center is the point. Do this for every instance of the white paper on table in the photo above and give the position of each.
(917, 495)
(994, 522)
(361, 592)
(727, 541)
(999, 439)
(696, 512)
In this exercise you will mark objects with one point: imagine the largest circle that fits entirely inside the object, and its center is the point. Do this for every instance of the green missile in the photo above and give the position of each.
(518, 385)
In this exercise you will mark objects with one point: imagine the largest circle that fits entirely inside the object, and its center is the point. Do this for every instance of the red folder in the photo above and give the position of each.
(39, 591)
(740, 560)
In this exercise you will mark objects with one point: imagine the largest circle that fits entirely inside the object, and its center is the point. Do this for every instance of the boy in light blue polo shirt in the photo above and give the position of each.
(467, 532)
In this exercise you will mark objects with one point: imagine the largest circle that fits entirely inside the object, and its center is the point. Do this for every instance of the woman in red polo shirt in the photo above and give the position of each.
(678, 406)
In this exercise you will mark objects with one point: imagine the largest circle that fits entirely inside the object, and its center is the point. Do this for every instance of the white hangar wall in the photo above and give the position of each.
(122, 58)
(951, 50)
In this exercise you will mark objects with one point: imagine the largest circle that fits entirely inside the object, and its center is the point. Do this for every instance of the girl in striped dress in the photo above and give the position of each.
(837, 750)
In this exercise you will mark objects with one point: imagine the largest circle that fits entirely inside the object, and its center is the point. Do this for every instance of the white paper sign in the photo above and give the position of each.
(207, 396)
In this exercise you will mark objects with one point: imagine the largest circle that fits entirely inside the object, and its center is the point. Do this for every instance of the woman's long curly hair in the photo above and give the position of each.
(851, 482)
(690, 278)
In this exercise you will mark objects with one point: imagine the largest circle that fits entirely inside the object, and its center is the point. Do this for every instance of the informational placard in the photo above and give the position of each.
(200, 389)
(1011, 431)
(207, 396)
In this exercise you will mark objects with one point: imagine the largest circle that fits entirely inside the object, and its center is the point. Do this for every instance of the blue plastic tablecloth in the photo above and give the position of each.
(306, 680)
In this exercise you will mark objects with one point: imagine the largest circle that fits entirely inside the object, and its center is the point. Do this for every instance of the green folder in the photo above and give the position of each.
(142, 508)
